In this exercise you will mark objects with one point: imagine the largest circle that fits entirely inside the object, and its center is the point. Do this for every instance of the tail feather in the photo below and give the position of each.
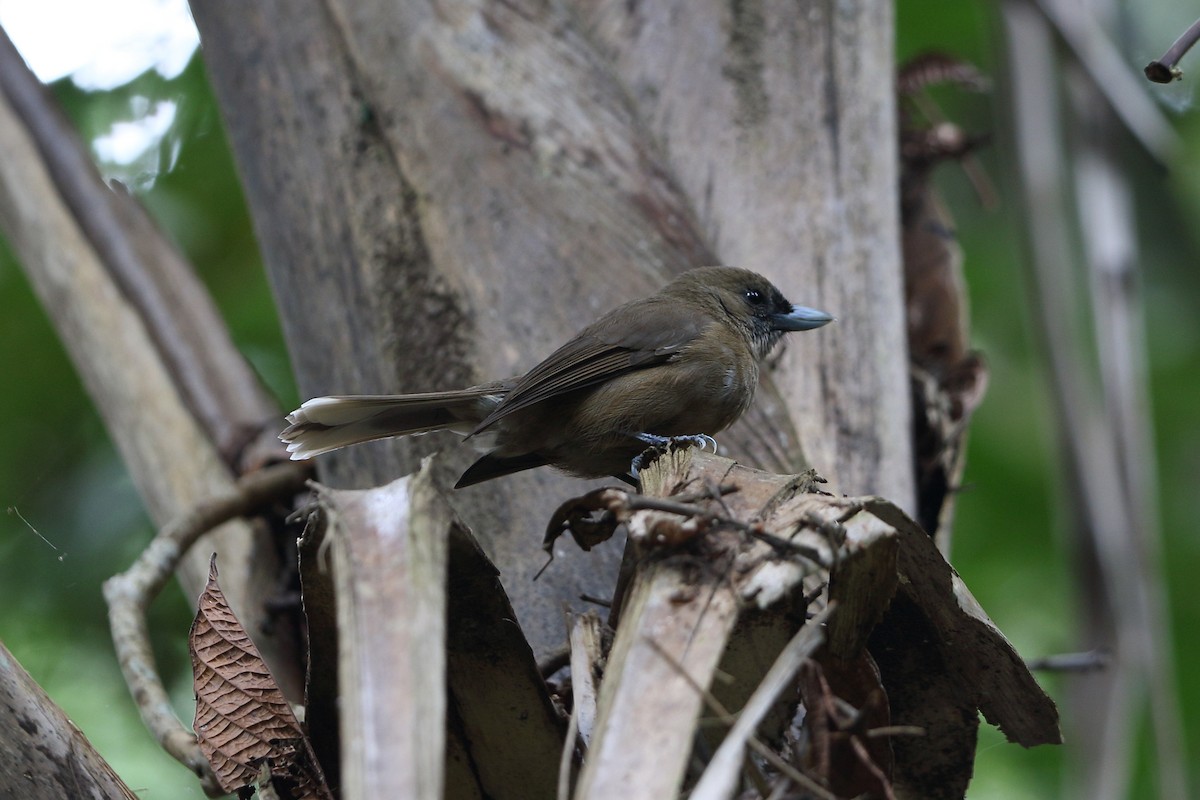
(493, 466)
(328, 423)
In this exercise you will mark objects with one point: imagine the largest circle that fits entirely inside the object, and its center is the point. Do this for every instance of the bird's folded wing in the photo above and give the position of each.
(601, 352)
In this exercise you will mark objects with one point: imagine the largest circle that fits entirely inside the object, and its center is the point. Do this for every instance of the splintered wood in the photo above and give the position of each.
(729, 564)
(437, 693)
(837, 650)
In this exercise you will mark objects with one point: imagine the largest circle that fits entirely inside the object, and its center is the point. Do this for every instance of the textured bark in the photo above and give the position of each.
(777, 122)
(444, 192)
(43, 756)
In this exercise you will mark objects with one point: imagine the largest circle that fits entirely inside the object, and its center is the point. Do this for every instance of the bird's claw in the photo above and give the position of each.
(701, 440)
(657, 444)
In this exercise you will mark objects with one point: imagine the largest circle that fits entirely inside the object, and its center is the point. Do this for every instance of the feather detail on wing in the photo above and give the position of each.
(601, 352)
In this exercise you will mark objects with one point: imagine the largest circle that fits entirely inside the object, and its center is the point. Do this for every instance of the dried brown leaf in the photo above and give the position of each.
(590, 519)
(243, 722)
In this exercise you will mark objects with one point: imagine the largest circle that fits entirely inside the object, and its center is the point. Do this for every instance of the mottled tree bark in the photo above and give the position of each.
(446, 191)
(42, 754)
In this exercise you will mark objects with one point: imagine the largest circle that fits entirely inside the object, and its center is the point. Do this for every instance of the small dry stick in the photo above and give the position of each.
(742, 733)
(130, 593)
(789, 770)
(568, 752)
(1089, 661)
(723, 715)
(1166, 69)
(603, 602)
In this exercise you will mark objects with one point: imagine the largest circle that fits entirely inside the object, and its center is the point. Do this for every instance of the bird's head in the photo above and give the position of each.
(751, 302)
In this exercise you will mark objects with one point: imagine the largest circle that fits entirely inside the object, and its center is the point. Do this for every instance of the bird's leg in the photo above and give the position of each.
(701, 440)
(658, 444)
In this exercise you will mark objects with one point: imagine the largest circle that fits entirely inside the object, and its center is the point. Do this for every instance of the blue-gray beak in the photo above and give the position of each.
(800, 318)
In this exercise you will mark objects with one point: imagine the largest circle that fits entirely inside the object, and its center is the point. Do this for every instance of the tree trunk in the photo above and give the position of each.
(445, 192)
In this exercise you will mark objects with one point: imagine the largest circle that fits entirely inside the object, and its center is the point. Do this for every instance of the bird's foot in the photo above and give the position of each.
(657, 445)
(701, 440)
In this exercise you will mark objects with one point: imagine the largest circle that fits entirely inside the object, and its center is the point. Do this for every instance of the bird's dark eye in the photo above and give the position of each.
(754, 297)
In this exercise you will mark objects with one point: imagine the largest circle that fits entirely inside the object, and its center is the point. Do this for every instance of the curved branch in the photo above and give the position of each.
(214, 381)
(129, 596)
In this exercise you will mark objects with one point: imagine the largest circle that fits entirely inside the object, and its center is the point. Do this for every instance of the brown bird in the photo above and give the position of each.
(680, 363)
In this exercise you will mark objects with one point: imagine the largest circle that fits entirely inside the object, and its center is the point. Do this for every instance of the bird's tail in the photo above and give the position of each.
(327, 423)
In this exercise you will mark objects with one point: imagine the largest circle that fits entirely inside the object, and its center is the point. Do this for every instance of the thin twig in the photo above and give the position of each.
(1166, 69)
(780, 544)
(717, 780)
(1089, 661)
(796, 776)
(895, 730)
(567, 756)
(603, 602)
(864, 757)
(641, 502)
(850, 722)
(1126, 96)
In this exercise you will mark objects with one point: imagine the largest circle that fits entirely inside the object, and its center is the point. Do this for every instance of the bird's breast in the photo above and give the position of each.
(728, 381)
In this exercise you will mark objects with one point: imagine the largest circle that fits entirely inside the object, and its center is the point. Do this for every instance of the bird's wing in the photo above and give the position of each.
(650, 332)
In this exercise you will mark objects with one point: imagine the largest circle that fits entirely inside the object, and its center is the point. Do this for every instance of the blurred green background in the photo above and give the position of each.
(73, 518)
